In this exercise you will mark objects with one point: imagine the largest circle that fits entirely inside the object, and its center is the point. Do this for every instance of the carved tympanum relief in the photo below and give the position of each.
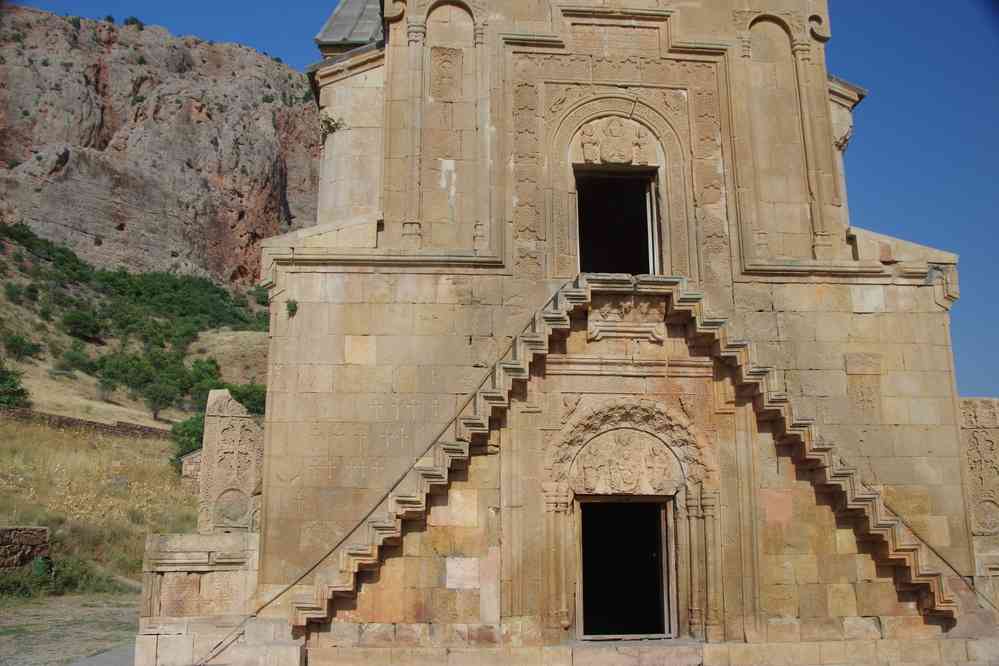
(980, 444)
(231, 466)
(614, 140)
(628, 446)
(625, 461)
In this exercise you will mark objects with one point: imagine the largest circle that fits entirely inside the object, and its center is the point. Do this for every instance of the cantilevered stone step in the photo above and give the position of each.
(874, 522)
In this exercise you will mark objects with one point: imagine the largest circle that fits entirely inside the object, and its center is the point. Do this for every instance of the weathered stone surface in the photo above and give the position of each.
(152, 152)
(20, 545)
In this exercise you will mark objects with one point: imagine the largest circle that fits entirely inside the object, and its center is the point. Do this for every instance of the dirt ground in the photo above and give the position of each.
(60, 630)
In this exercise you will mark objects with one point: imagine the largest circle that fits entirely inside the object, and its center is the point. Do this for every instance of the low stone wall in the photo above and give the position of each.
(20, 545)
(119, 428)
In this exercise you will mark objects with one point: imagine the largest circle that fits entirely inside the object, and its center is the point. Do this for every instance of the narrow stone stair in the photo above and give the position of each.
(874, 522)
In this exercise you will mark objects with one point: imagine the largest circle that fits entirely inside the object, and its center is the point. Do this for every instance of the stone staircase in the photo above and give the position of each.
(918, 568)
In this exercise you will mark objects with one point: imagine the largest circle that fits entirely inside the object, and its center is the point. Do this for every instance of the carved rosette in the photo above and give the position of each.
(630, 447)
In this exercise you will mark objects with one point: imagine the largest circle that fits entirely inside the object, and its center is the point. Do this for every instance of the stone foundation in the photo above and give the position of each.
(642, 653)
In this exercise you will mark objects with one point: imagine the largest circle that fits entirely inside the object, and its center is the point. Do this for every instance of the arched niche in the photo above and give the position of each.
(784, 216)
(625, 132)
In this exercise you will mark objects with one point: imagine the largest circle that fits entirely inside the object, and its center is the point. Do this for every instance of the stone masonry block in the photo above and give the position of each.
(867, 298)
(359, 349)
(462, 573)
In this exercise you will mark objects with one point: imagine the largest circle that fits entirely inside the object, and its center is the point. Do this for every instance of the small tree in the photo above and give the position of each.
(158, 395)
(82, 324)
(12, 392)
(20, 347)
(106, 386)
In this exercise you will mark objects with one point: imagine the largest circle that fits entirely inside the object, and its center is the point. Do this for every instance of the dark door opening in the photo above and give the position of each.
(623, 597)
(617, 233)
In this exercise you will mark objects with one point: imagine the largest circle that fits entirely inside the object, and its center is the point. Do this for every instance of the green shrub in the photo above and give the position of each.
(141, 60)
(187, 436)
(66, 266)
(64, 575)
(12, 392)
(131, 20)
(83, 324)
(205, 376)
(31, 292)
(260, 295)
(20, 347)
(109, 19)
(292, 307)
(267, 99)
(75, 22)
(76, 358)
(252, 396)
(14, 292)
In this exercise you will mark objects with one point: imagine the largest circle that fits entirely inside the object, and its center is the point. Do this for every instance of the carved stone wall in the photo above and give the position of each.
(230, 473)
(980, 455)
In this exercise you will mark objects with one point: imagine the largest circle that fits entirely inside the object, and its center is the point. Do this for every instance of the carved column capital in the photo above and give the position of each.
(558, 497)
(416, 33)
(709, 503)
(480, 34)
(693, 505)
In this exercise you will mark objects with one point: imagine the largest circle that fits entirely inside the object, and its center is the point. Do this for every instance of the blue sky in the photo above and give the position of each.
(922, 164)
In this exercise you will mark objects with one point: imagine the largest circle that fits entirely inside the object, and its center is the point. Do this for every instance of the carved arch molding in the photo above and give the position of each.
(635, 447)
(631, 447)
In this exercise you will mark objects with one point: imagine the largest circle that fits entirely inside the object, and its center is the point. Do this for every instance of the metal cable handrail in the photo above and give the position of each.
(238, 629)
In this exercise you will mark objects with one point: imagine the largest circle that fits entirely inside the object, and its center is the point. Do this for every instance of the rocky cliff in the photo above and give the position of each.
(148, 151)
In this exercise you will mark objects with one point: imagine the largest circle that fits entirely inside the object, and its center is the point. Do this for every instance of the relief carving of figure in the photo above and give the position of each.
(643, 146)
(593, 466)
(591, 147)
(624, 463)
(616, 147)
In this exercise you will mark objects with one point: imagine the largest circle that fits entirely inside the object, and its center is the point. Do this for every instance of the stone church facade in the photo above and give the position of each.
(584, 363)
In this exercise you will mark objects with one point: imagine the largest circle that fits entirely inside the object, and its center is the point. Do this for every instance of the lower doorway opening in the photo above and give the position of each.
(624, 570)
(618, 222)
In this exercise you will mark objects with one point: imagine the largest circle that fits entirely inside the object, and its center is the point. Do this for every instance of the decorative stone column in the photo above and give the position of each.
(558, 528)
(696, 576)
(412, 233)
(714, 629)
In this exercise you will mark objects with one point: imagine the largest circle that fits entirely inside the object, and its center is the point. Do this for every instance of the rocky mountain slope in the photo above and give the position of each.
(152, 152)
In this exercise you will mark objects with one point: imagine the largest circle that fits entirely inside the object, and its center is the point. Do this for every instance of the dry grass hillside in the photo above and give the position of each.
(92, 344)
(99, 495)
(241, 355)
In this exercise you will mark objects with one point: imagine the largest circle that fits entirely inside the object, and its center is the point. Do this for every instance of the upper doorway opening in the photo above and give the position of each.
(618, 222)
